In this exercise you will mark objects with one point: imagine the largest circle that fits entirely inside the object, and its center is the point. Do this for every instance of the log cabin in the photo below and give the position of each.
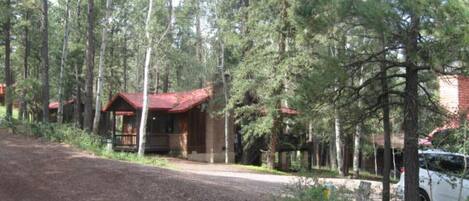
(69, 113)
(179, 123)
(69, 109)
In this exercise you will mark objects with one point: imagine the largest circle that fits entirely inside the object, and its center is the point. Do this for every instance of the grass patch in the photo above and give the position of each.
(263, 169)
(328, 173)
(3, 112)
(319, 173)
(63, 133)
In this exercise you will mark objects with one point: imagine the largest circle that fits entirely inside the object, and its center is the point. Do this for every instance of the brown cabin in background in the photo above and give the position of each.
(180, 123)
(2, 93)
(69, 109)
(69, 112)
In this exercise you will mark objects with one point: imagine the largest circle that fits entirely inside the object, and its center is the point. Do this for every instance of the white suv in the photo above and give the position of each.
(441, 175)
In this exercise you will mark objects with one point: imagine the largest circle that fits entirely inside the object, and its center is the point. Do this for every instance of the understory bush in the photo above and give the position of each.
(309, 189)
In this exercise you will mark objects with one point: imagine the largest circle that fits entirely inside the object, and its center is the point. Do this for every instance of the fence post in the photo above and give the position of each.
(363, 192)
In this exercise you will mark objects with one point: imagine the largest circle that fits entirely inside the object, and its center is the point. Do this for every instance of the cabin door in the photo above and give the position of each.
(129, 131)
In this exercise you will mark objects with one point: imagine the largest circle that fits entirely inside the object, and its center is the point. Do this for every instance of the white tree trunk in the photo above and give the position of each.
(356, 150)
(225, 93)
(63, 60)
(333, 152)
(338, 141)
(102, 55)
(358, 136)
(313, 142)
(375, 154)
(394, 163)
(144, 116)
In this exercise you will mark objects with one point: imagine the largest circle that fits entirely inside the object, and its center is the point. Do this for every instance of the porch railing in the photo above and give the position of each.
(153, 141)
(121, 139)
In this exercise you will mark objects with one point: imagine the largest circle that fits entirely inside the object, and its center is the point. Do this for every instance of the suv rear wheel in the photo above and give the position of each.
(423, 195)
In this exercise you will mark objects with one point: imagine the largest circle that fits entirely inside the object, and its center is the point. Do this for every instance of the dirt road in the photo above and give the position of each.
(32, 170)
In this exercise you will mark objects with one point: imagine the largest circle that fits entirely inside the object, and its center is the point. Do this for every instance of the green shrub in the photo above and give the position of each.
(309, 189)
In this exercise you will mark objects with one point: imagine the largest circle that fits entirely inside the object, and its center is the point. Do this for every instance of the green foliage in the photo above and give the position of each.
(305, 189)
(3, 112)
(263, 169)
(455, 140)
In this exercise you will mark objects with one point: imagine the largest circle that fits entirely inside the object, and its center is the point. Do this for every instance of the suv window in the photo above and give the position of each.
(444, 163)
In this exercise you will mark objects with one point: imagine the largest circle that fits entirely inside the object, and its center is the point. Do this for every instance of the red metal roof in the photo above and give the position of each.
(55, 105)
(177, 102)
(284, 110)
(289, 111)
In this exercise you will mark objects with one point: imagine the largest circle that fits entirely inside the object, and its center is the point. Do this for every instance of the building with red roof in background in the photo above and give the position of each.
(179, 123)
(454, 97)
(2, 93)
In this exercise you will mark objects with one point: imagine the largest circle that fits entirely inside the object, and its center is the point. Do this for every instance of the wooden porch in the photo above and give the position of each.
(155, 142)
(164, 134)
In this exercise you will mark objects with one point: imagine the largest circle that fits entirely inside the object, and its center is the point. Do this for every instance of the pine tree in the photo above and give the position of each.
(8, 73)
(102, 52)
(88, 98)
(45, 61)
(63, 60)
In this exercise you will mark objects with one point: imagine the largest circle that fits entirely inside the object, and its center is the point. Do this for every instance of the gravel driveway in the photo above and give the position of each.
(33, 170)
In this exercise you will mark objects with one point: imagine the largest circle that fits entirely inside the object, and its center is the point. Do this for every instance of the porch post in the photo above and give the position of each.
(138, 114)
(113, 137)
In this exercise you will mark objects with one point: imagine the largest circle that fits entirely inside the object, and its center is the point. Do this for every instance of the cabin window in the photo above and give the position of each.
(159, 124)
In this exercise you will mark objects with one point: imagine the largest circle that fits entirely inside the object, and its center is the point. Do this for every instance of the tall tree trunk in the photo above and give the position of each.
(272, 147)
(338, 141)
(356, 150)
(125, 60)
(394, 163)
(332, 152)
(386, 127)
(198, 30)
(24, 106)
(225, 90)
(166, 80)
(88, 99)
(144, 116)
(199, 42)
(312, 141)
(225, 95)
(45, 62)
(63, 61)
(411, 162)
(102, 55)
(244, 27)
(357, 138)
(317, 150)
(8, 74)
(375, 155)
(77, 108)
(277, 115)
(157, 76)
